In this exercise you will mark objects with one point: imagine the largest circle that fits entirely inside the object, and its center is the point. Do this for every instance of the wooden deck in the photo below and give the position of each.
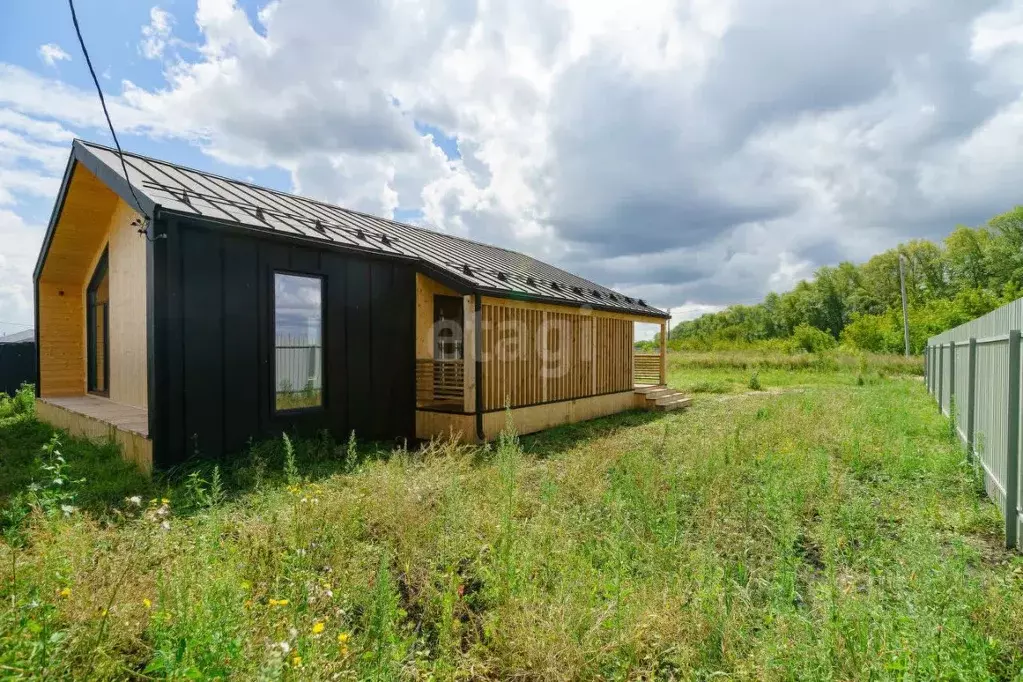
(102, 420)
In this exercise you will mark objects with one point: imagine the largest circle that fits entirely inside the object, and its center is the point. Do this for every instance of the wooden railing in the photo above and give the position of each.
(440, 383)
(647, 369)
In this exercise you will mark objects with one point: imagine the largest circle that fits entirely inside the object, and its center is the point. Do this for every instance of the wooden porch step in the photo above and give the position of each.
(660, 397)
(676, 402)
(656, 395)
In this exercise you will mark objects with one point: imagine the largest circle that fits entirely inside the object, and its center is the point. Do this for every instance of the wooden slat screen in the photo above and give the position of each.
(569, 356)
(439, 381)
(614, 355)
(534, 356)
(648, 369)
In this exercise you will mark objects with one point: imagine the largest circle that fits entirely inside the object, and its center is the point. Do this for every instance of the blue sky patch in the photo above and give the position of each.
(446, 143)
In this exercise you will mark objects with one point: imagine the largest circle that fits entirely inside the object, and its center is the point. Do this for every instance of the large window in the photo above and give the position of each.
(97, 328)
(298, 341)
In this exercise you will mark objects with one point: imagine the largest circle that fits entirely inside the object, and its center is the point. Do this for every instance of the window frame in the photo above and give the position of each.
(274, 410)
(101, 270)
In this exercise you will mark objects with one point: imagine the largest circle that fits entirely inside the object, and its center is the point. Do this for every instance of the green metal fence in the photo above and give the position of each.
(973, 372)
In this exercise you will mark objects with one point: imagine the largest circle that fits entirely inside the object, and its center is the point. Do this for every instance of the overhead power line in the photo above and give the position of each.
(144, 227)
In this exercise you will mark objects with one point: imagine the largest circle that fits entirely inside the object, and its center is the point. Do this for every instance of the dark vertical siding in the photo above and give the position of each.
(359, 329)
(272, 257)
(404, 362)
(242, 365)
(203, 336)
(173, 297)
(218, 343)
(336, 327)
(381, 318)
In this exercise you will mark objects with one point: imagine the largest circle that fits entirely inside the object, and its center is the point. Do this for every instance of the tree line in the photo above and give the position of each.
(971, 272)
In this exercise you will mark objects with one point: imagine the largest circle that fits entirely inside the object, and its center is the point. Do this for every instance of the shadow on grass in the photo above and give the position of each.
(109, 480)
(561, 439)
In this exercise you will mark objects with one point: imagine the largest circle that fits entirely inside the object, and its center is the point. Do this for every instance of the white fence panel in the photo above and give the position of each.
(974, 374)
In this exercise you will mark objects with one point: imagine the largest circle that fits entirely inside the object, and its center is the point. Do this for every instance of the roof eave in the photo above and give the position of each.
(58, 208)
(113, 179)
(537, 298)
(80, 154)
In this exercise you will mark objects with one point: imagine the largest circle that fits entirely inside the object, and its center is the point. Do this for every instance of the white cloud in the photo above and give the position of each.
(691, 153)
(17, 259)
(51, 53)
(156, 34)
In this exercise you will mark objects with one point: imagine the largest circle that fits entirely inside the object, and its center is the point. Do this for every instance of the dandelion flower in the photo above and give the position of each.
(296, 662)
(164, 500)
(318, 628)
(66, 592)
(148, 604)
(343, 638)
(278, 602)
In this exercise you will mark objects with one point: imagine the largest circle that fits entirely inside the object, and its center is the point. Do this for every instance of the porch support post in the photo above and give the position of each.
(477, 339)
(469, 354)
(664, 353)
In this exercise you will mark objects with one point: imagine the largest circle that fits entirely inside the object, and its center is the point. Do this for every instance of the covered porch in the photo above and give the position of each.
(477, 357)
(102, 420)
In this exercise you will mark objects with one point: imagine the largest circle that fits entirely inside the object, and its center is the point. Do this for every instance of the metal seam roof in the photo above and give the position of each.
(192, 192)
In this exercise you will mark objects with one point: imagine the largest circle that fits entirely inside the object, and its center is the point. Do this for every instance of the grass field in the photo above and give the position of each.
(825, 526)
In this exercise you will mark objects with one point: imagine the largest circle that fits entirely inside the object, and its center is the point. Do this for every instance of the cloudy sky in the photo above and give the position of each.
(694, 153)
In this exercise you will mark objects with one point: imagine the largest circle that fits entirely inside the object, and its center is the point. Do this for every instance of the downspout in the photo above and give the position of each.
(477, 326)
(35, 314)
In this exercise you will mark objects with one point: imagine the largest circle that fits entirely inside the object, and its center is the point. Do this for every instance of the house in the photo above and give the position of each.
(236, 312)
(17, 360)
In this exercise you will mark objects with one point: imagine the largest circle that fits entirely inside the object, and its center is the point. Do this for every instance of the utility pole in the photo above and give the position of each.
(905, 313)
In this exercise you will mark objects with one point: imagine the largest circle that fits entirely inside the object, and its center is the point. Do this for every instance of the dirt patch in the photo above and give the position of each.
(991, 549)
(810, 552)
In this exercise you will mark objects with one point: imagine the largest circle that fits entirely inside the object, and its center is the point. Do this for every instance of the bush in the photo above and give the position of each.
(813, 340)
(22, 403)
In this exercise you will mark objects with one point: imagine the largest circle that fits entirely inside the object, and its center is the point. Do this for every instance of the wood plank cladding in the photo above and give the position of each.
(61, 337)
(84, 223)
(538, 354)
(426, 289)
(101, 428)
(528, 419)
(127, 262)
(92, 219)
